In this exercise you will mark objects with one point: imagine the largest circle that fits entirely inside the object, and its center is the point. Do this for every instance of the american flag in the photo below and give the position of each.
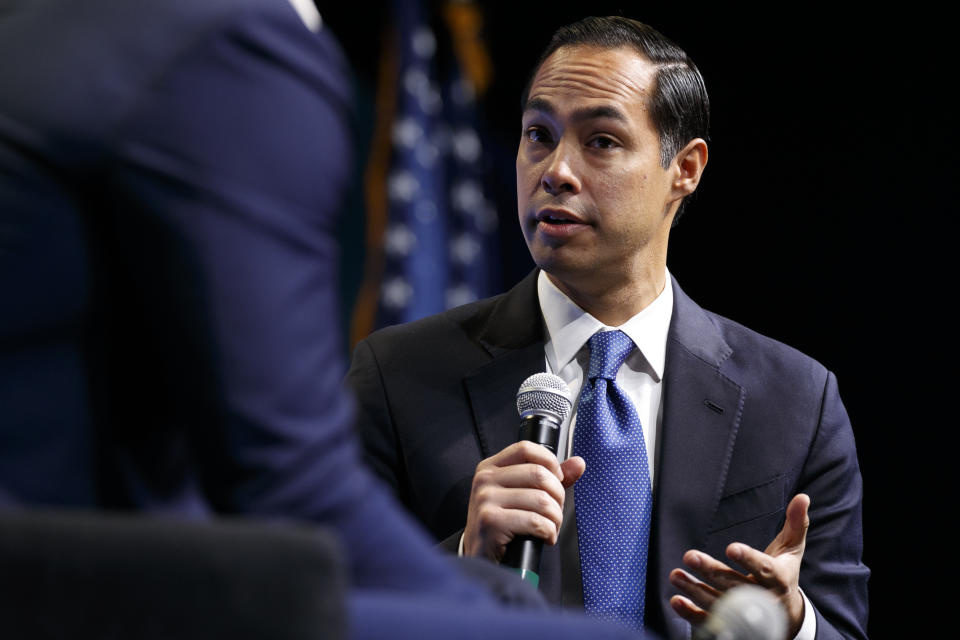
(439, 234)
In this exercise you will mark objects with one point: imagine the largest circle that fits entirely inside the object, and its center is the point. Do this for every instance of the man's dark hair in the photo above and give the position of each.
(679, 106)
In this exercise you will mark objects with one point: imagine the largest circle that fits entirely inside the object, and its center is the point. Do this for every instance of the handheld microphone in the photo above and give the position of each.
(543, 402)
(747, 612)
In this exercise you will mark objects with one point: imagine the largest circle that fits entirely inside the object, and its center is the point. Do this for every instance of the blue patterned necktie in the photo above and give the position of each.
(613, 498)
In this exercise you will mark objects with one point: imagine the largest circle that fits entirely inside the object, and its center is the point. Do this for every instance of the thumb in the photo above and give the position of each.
(794, 533)
(572, 468)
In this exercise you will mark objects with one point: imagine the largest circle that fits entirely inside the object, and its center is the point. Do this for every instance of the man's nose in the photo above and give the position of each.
(559, 175)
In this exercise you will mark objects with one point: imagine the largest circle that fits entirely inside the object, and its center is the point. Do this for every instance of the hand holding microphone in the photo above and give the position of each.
(543, 402)
(520, 490)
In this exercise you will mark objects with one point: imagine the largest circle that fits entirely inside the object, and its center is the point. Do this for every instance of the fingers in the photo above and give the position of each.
(718, 574)
(526, 500)
(524, 451)
(778, 574)
(777, 566)
(516, 492)
(496, 526)
(496, 517)
(520, 476)
(699, 596)
(761, 566)
(687, 610)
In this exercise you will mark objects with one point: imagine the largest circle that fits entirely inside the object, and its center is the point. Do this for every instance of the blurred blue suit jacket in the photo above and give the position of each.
(170, 175)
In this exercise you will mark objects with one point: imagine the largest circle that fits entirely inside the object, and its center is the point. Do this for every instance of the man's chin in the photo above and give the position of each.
(566, 274)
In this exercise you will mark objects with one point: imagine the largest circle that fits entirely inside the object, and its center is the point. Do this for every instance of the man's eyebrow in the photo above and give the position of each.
(585, 113)
(539, 104)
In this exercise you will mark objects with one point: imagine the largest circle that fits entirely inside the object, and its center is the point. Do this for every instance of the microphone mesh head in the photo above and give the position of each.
(544, 393)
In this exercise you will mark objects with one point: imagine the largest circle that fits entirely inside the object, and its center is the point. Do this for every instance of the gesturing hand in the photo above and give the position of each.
(777, 569)
(518, 491)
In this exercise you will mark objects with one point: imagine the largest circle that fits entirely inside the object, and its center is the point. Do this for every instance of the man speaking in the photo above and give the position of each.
(693, 441)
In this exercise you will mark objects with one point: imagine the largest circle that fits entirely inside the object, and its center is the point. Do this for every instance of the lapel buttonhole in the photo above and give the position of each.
(713, 406)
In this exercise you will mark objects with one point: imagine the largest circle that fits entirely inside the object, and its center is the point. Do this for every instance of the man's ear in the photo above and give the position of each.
(690, 162)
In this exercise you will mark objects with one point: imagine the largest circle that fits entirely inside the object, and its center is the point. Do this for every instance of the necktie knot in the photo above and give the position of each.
(608, 350)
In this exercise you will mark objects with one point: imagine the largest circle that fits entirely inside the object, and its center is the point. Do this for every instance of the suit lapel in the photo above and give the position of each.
(492, 390)
(701, 414)
(513, 337)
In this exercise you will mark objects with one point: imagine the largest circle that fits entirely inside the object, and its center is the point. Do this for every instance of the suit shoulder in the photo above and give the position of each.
(459, 325)
(755, 354)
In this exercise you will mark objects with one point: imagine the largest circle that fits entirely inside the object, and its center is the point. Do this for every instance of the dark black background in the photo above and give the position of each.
(825, 219)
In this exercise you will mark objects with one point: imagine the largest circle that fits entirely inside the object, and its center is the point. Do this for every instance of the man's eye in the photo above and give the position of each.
(602, 142)
(538, 134)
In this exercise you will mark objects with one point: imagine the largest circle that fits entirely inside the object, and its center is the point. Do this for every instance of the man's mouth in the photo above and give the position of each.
(557, 217)
(559, 224)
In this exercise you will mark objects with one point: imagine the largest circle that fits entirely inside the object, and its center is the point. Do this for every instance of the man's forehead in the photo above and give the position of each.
(618, 75)
(578, 114)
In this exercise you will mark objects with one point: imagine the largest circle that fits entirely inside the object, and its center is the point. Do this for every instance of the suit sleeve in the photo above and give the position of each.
(832, 574)
(230, 172)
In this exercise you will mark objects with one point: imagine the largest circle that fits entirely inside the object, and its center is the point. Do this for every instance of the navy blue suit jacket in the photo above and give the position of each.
(748, 422)
(170, 175)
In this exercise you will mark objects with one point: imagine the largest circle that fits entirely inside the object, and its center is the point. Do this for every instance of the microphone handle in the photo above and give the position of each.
(523, 552)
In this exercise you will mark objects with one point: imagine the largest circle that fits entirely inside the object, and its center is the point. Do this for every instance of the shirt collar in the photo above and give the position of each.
(308, 12)
(568, 327)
